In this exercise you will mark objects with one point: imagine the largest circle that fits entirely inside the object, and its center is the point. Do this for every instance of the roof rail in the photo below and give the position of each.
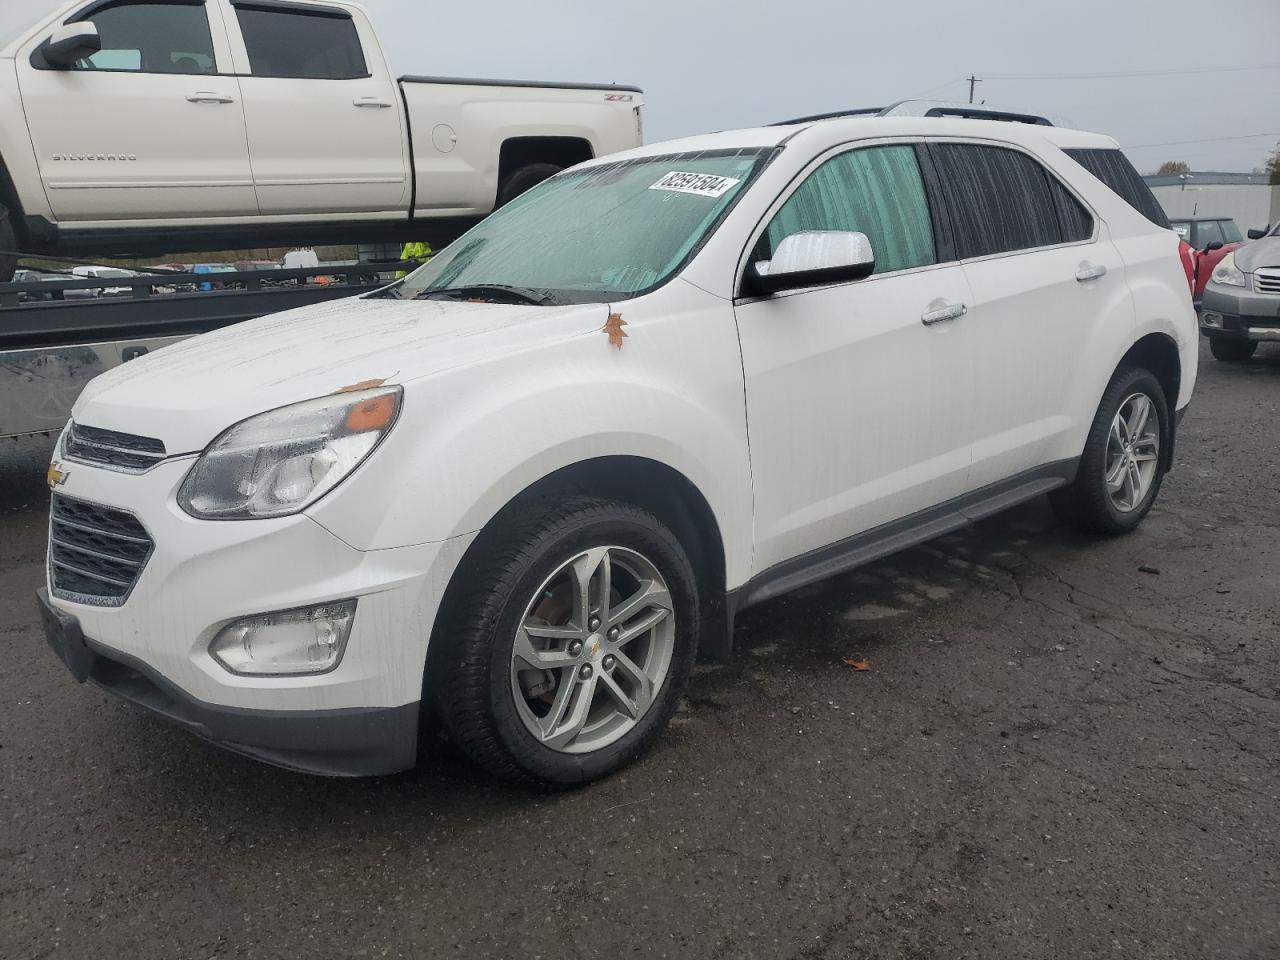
(928, 108)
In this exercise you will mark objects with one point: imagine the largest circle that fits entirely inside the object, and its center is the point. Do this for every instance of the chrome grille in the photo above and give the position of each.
(1267, 280)
(96, 554)
(122, 451)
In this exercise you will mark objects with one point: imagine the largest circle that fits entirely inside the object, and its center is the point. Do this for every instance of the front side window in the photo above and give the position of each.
(153, 38)
(312, 45)
(603, 233)
(877, 191)
(1000, 199)
(1230, 232)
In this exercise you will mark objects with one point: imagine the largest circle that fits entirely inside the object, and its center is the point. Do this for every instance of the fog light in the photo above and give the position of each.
(287, 643)
(1211, 320)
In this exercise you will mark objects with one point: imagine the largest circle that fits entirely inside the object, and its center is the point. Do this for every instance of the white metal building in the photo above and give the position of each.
(1247, 198)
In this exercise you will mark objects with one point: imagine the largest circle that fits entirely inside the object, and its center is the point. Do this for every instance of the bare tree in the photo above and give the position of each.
(1171, 167)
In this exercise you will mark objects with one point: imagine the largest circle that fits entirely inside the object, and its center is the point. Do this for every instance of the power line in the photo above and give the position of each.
(1175, 143)
(1130, 73)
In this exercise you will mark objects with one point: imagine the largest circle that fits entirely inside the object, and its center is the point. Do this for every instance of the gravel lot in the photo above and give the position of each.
(1064, 748)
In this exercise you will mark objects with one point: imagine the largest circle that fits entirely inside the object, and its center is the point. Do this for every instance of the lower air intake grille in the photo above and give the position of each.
(108, 448)
(96, 554)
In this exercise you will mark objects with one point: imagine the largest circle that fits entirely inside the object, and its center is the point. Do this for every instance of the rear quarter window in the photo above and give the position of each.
(1114, 169)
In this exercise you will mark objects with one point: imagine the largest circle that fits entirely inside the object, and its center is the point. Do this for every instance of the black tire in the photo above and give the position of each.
(8, 242)
(475, 696)
(525, 179)
(1086, 503)
(1232, 351)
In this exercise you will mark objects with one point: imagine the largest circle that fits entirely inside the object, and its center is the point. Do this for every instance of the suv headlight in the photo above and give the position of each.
(1227, 273)
(281, 462)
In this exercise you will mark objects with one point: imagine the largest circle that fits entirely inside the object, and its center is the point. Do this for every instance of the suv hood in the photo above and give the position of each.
(188, 393)
(1258, 253)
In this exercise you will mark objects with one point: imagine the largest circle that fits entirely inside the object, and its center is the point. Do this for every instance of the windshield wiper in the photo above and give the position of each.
(525, 294)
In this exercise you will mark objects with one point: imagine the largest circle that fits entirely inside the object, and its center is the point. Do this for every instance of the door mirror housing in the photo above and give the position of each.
(812, 258)
(1215, 245)
(1258, 234)
(71, 43)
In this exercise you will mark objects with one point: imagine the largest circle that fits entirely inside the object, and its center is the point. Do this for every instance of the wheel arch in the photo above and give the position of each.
(518, 152)
(12, 202)
(1158, 353)
(647, 483)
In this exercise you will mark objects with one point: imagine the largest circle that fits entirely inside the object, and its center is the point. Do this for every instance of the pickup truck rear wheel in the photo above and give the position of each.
(8, 246)
(1232, 351)
(1121, 469)
(572, 644)
(524, 179)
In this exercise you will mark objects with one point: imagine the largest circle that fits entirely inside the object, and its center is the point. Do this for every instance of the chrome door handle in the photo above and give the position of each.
(953, 311)
(205, 96)
(372, 102)
(1090, 271)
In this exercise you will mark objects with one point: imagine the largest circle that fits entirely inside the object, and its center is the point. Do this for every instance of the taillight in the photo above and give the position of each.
(1187, 254)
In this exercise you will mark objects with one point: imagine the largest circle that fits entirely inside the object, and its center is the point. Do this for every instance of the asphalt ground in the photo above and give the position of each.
(1064, 748)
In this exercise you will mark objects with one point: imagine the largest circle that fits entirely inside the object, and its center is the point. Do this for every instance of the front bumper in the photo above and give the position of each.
(354, 742)
(1238, 314)
(153, 649)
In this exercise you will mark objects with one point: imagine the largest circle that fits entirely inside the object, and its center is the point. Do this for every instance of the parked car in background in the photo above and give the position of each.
(142, 126)
(105, 273)
(1212, 238)
(522, 487)
(1241, 306)
(44, 277)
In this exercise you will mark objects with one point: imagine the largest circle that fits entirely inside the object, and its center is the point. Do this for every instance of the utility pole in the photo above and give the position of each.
(972, 80)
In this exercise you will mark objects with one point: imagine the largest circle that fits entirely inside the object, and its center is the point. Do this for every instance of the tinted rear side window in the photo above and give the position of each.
(1114, 169)
(303, 46)
(1076, 221)
(1000, 199)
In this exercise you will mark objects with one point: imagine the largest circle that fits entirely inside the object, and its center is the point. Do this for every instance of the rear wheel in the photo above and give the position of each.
(1232, 351)
(1122, 468)
(8, 246)
(525, 179)
(573, 644)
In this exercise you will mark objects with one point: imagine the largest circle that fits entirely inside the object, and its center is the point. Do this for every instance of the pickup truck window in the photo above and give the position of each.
(153, 38)
(589, 236)
(301, 45)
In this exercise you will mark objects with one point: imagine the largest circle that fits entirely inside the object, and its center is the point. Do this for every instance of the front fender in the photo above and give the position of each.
(471, 439)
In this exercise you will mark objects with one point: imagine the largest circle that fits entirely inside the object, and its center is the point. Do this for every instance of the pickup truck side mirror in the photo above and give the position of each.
(71, 43)
(1258, 234)
(811, 258)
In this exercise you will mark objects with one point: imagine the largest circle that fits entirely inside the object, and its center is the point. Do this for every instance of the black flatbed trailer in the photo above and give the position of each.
(50, 348)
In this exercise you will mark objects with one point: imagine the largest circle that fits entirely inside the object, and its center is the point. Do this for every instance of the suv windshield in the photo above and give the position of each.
(608, 232)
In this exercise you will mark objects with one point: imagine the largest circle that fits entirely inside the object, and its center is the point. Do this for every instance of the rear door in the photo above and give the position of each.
(150, 127)
(323, 114)
(859, 395)
(1043, 275)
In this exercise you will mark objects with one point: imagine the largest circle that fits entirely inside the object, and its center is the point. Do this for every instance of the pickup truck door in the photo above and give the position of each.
(324, 116)
(150, 127)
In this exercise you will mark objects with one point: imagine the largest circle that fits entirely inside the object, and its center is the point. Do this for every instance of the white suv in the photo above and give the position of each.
(521, 488)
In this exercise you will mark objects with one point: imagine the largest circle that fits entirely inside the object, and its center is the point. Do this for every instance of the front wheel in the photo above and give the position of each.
(573, 644)
(8, 246)
(1120, 471)
(1232, 351)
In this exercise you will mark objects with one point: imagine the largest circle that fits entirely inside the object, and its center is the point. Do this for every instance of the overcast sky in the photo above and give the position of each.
(718, 64)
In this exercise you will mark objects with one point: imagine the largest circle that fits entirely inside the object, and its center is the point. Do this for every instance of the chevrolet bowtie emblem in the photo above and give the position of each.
(57, 476)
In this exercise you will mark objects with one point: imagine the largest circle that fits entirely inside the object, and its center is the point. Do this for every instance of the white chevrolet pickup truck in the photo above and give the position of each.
(156, 125)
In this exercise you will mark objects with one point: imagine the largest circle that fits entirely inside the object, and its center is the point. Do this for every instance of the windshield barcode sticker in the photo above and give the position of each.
(701, 184)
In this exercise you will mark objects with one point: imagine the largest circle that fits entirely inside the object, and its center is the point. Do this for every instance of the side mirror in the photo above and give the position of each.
(1258, 234)
(1215, 245)
(70, 43)
(812, 258)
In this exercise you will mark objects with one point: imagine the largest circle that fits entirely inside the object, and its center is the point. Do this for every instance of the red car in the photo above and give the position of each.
(1211, 239)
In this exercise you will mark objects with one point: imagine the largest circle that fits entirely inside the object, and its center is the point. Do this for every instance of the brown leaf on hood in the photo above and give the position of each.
(362, 385)
(613, 327)
(862, 666)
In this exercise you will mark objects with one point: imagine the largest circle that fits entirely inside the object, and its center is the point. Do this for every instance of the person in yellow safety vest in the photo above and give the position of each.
(414, 251)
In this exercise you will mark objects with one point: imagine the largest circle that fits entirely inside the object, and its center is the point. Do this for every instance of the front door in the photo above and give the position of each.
(148, 127)
(324, 116)
(858, 394)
